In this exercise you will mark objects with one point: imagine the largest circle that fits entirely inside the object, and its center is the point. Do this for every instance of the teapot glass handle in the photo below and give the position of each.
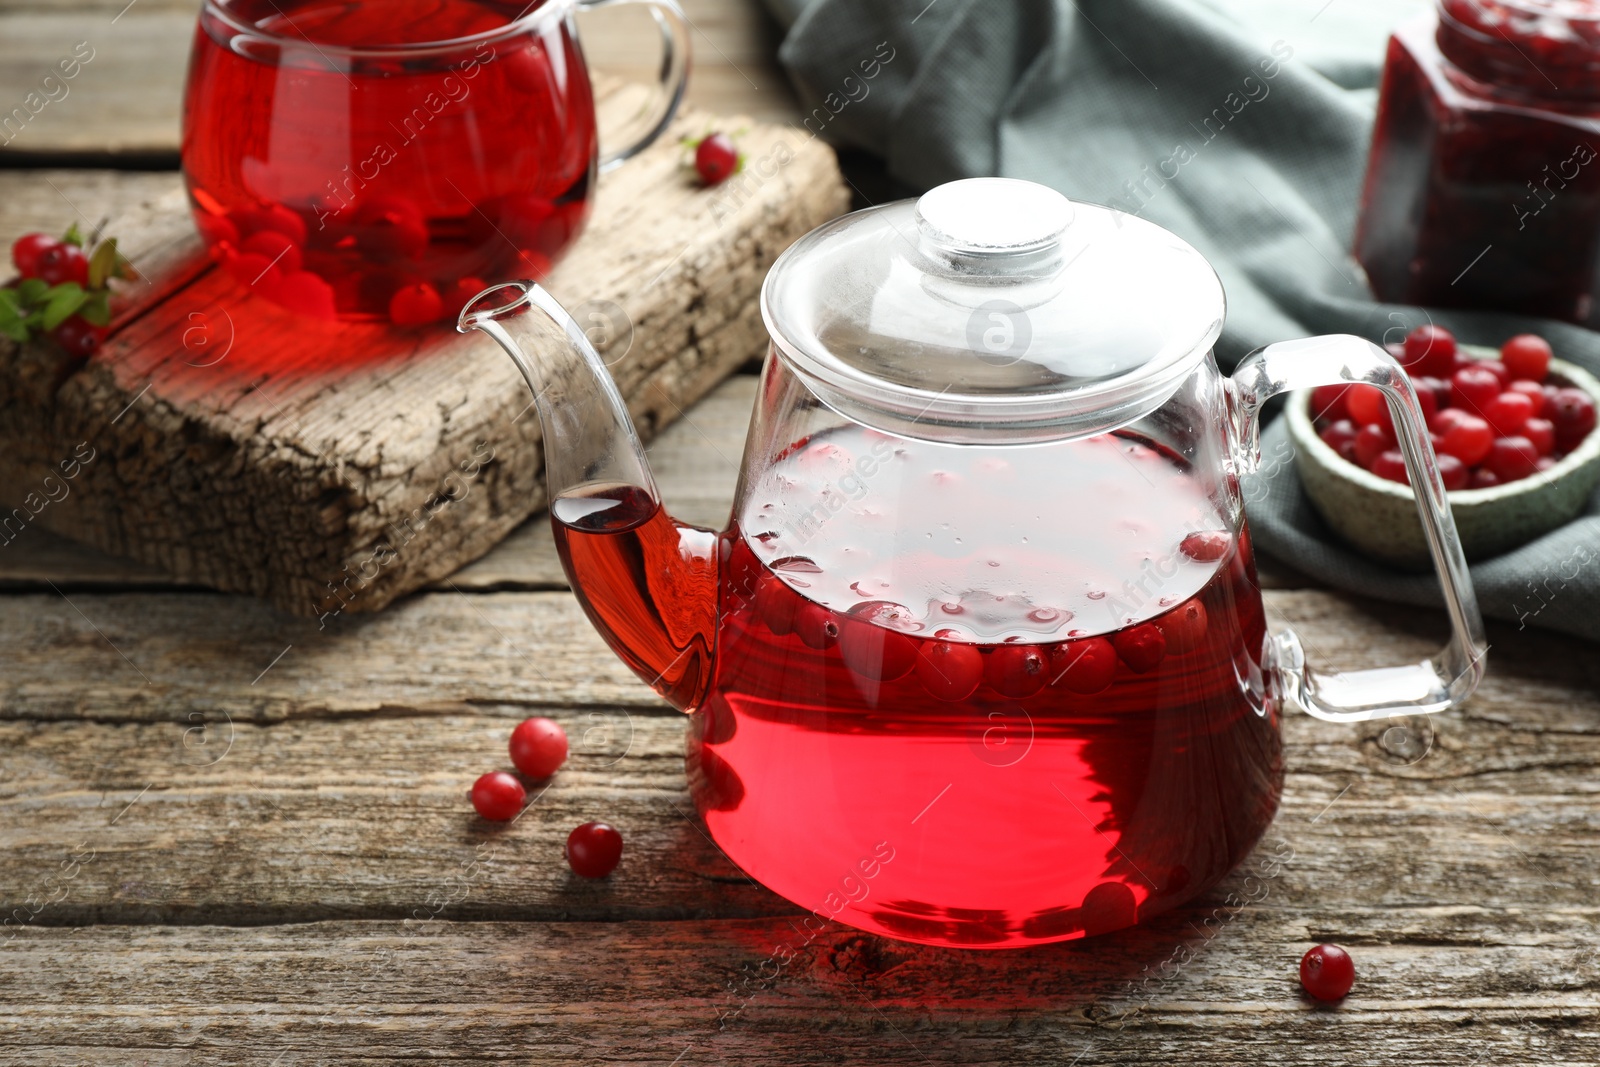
(673, 75)
(1450, 676)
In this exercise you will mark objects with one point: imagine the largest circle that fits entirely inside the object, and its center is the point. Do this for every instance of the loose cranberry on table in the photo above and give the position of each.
(1327, 972)
(538, 747)
(594, 849)
(498, 796)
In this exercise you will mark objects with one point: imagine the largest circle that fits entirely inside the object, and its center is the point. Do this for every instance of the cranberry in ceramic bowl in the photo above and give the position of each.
(1513, 433)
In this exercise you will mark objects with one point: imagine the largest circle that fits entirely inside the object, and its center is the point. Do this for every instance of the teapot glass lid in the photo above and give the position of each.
(992, 310)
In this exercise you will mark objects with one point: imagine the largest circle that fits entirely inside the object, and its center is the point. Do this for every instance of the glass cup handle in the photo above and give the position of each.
(674, 74)
(1450, 676)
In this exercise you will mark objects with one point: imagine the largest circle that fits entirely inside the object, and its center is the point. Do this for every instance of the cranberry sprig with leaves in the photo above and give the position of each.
(62, 290)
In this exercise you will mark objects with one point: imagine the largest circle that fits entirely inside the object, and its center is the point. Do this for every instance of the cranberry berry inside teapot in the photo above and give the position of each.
(980, 658)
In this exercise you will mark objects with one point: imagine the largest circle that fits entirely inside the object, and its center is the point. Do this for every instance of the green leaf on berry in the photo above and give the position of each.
(65, 300)
(11, 316)
(32, 290)
(96, 309)
(103, 263)
(73, 236)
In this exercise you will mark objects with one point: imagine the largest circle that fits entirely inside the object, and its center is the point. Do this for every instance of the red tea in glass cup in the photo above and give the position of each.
(383, 160)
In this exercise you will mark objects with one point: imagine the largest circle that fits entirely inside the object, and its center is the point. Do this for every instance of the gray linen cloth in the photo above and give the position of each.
(1242, 126)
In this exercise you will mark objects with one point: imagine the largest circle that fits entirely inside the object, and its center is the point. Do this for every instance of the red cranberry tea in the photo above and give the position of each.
(343, 164)
(883, 685)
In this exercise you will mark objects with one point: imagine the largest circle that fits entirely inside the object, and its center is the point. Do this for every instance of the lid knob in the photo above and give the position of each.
(993, 216)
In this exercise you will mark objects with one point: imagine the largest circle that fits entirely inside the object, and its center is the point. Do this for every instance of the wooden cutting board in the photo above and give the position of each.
(331, 468)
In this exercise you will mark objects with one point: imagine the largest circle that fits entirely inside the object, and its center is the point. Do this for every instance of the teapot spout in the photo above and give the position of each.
(589, 440)
(648, 583)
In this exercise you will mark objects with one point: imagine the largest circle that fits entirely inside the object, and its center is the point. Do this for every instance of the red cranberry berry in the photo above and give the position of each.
(1141, 647)
(1526, 356)
(1572, 412)
(1508, 413)
(1430, 350)
(593, 849)
(1452, 471)
(1512, 458)
(498, 796)
(1368, 406)
(1439, 387)
(815, 625)
(415, 305)
(1501, 372)
(1473, 387)
(1428, 401)
(1341, 437)
(63, 263)
(776, 603)
(1371, 442)
(1482, 478)
(79, 338)
(1391, 465)
(1469, 439)
(949, 670)
(1017, 671)
(278, 249)
(1542, 432)
(26, 250)
(1084, 666)
(1327, 972)
(870, 647)
(459, 294)
(1329, 402)
(306, 294)
(1184, 627)
(538, 747)
(1532, 390)
(716, 158)
(1206, 546)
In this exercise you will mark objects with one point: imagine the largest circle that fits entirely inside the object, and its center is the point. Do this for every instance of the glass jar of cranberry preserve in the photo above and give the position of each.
(1483, 188)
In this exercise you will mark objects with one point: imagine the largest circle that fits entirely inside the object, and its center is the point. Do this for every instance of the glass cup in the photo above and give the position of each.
(381, 161)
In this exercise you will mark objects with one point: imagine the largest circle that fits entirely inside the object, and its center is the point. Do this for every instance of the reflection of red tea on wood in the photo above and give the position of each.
(1045, 752)
(394, 184)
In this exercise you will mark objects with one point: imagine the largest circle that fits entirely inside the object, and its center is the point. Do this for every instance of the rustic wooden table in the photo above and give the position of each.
(231, 837)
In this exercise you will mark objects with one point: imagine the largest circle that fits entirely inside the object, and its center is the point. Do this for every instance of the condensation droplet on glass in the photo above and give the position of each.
(796, 564)
(952, 607)
(1168, 601)
(1096, 594)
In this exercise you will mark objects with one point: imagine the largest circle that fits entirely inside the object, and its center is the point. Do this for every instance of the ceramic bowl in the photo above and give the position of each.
(1379, 517)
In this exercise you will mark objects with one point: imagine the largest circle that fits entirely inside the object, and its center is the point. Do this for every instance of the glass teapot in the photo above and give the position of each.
(980, 658)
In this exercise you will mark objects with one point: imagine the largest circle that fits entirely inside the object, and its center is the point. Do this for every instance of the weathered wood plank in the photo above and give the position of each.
(1436, 986)
(127, 99)
(695, 461)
